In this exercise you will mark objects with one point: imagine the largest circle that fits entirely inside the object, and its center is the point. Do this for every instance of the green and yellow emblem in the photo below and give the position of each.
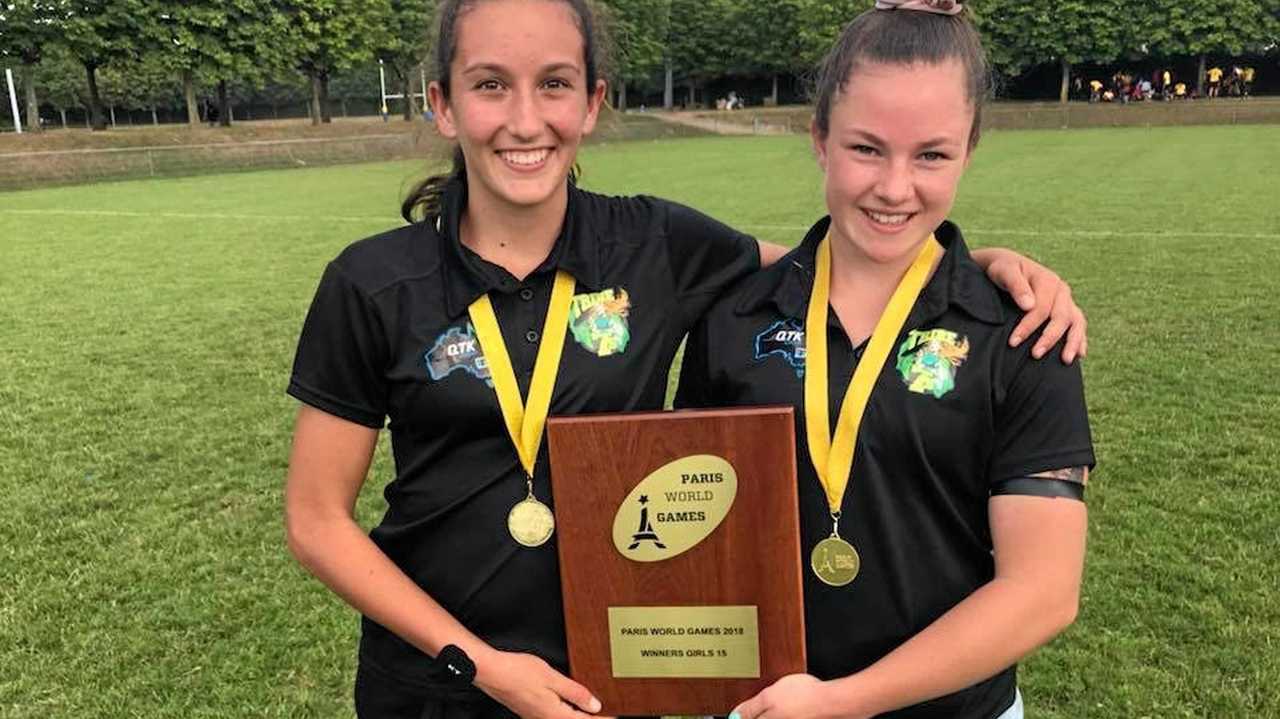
(598, 321)
(928, 360)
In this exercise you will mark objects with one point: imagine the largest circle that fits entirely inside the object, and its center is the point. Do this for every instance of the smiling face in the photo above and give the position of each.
(519, 104)
(897, 145)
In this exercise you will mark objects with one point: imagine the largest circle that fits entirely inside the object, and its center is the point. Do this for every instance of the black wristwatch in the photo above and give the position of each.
(456, 665)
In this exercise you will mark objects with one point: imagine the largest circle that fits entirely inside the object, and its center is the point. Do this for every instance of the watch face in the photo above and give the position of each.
(457, 663)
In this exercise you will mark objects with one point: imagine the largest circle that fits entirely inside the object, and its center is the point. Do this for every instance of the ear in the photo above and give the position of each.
(594, 102)
(819, 143)
(443, 111)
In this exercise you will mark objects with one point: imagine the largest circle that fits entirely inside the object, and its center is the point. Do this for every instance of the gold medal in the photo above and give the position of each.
(531, 522)
(835, 561)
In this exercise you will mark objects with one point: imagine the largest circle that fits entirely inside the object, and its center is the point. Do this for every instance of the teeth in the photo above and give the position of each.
(527, 159)
(887, 219)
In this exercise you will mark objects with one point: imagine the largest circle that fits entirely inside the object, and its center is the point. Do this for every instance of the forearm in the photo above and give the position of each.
(338, 552)
(990, 630)
(771, 253)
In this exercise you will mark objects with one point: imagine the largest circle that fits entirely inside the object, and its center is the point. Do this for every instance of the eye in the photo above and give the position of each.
(932, 156)
(867, 150)
(489, 85)
(556, 83)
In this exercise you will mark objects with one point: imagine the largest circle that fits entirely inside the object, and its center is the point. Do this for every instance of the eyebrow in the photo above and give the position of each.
(934, 142)
(500, 69)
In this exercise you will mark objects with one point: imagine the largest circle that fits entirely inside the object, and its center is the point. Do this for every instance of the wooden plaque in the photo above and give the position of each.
(679, 543)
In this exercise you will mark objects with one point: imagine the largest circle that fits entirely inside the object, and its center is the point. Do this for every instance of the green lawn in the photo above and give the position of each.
(147, 330)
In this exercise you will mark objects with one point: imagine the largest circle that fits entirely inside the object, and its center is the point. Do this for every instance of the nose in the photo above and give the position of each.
(524, 119)
(894, 185)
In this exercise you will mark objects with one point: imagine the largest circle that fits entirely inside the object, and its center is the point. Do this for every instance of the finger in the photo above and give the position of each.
(1011, 277)
(1084, 347)
(752, 708)
(1028, 325)
(1074, 346)
(574, 693)
(1048, 338)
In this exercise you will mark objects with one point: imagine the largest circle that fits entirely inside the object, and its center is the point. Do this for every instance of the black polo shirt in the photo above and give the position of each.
(954, 410)
(388, 336)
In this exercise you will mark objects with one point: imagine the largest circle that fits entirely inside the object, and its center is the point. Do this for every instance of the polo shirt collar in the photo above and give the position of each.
(466, 276)
(959, 281)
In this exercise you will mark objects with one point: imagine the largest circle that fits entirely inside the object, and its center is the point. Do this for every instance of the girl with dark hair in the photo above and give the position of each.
(942, 471)
(515, 296)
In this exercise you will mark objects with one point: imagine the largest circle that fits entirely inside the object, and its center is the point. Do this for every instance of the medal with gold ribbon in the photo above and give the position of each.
(530, 522)
(834, 560)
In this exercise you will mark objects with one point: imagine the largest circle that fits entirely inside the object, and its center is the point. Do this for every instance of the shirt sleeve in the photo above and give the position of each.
(1042, 423)
(342, 353)
(706, 257)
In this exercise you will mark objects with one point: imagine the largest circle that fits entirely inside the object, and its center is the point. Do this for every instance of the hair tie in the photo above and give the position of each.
(941, 7)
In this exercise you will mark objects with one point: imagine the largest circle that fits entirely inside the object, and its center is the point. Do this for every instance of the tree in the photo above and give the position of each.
(639, 31)
(1021, 33)
(332, 35)
(221, 40)
(27, 28)
(99, 32)
(402, 44)
(61, 81)
(700, 41)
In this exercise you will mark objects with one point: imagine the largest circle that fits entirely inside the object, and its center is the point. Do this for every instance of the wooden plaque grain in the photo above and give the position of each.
(751, 558)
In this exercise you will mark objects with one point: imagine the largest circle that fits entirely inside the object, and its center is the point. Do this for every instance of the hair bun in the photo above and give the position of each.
(941, 7)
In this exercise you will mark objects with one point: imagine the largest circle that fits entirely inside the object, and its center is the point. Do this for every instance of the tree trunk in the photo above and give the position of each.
(315, 100)
(406, 89)
(343, 100)
(1200, 78)
(224, 104)
(113, 116)
(155, 119)
(325, 111)
(96, 120)
(33, 103)
(189, 95)
(622, 95)
(62, 112)
(691, 96)
(774, 94)
(668, 89)
(1064, 93)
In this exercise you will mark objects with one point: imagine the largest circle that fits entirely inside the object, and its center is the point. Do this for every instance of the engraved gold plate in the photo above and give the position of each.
(835, 561)
(689, 642)
(531, 522)
(674, 508)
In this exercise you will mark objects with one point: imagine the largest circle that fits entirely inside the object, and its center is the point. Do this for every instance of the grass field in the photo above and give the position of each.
(147, 330)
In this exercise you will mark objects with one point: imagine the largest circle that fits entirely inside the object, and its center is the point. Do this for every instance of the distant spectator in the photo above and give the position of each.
(1146, 90)
(1166, 87)
(1180, 91)
(1095, 90)
(1215, 79)
(1246, 81)
(1108, 96)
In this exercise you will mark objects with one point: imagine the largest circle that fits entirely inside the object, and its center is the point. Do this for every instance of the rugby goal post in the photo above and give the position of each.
(382, 77)
(13, 101)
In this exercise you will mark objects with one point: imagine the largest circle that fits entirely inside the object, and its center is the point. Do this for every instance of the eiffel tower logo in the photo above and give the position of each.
(645, 533)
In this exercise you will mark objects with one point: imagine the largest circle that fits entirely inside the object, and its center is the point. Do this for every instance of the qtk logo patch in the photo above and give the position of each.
(785, 339)
(457, 349)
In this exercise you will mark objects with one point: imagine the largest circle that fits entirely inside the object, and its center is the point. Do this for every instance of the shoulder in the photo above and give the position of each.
(382, 261)
(642, 216)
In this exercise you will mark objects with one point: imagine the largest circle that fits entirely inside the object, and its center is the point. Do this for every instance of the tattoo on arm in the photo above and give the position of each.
(1079, 475)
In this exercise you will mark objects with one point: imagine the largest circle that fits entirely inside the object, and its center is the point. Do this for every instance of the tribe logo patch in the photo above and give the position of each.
(785, 339)
(598, 321)
(928, 360)
(457, 349)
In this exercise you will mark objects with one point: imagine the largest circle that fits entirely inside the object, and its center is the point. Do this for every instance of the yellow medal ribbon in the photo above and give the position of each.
(833, 457)
(525, 420)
